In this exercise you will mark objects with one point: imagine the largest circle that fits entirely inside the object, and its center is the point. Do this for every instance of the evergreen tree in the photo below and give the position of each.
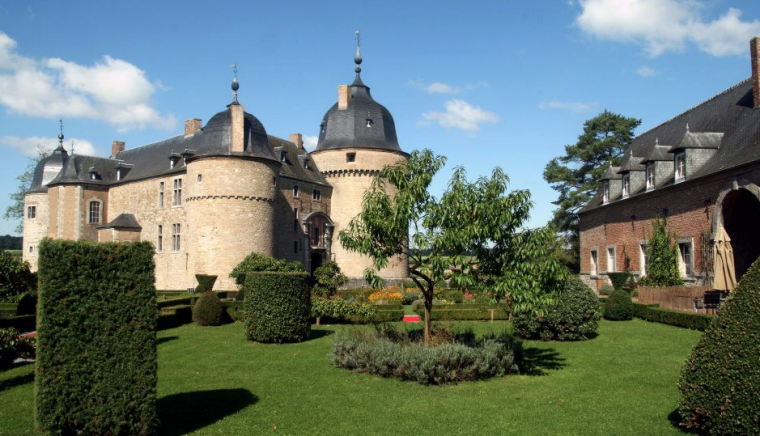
(16, 210)
(662, 252)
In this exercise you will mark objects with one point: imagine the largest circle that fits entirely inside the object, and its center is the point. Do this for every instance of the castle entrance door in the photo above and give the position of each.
(741, 215)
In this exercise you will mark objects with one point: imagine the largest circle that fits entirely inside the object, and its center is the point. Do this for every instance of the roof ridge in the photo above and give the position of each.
(725, 91)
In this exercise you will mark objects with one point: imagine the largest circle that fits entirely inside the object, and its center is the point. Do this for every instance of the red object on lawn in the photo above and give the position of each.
(411, 318)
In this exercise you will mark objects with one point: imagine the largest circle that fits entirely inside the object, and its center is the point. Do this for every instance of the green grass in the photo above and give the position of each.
(17, 253)
(213, 382)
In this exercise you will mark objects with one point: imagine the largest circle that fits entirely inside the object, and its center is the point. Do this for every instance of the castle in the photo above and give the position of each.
(209, 197)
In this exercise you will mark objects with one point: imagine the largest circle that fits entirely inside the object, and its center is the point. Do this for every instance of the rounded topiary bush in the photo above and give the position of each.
(575, 317)
(720, 382)
(208, 310)
(619, 306)
(606, 289)
(277, 306)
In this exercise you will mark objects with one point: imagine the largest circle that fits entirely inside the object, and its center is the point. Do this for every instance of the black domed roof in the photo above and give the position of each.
(365, 123)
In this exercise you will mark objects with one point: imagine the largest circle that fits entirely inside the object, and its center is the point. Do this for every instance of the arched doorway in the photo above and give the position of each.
(316, 261)
(741, 215)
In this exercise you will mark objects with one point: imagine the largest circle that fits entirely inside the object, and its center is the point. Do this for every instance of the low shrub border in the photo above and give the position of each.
(22, 323)
(391, 352)
(653, 313)
(466, 312)
(175, 316)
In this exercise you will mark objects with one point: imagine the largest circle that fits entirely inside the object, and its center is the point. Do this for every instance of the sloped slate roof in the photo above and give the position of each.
(631, 163)
(698, 140)
(292, 167)
(658, 153)
(123, 221)
(612, 173)
(729, 113)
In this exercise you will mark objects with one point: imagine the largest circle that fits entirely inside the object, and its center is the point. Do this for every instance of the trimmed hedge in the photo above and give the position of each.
(380, 315)
(720, 381)
(653, 313)
(575, 316)
(619, 279)
(235, 310)
(465, 312)
(277, 306)
(208, 310)
(96, 368)
(176, 316)
(177, 302)
(619, 306)
(22, 323)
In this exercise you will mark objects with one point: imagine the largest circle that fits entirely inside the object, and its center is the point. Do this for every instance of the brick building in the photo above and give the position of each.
(220, 191)
(700, 170)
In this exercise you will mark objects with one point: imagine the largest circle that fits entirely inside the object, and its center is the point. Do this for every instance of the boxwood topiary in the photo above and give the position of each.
(208, 310)
(277, 306)
(575, 317)
(606, 289)
(619, 306)
(720, 382)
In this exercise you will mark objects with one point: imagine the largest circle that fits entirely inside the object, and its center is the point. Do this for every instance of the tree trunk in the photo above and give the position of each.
(428, 310)
(318, 319)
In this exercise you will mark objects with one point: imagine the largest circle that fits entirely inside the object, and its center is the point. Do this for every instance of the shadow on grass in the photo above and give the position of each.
(191, 411)
(318, 334)
(536, 361)
(17, 381)
(165, 339)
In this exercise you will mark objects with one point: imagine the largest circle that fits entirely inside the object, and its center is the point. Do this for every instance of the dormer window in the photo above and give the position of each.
(626, 185)
(173, 160)
(322, 126)
(650, 176)
(605, 192)
(370, 122)
(680, 166)
(118, 174)
(283, 156)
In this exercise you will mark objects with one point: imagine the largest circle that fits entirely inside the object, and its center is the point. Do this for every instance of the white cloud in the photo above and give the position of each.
(666, 25)
(460, 115)
(645, 71)
(442, 88)
(112, 90)
(310, 142)
(572, 106)
(31, 145)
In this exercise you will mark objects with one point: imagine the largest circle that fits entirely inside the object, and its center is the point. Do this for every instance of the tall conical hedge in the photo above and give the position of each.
(720, 382)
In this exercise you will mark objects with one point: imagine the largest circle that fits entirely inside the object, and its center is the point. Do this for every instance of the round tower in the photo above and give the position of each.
(357, 139)
(231, 182)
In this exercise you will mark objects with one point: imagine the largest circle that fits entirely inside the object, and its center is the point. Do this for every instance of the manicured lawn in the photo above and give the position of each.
(211, 381)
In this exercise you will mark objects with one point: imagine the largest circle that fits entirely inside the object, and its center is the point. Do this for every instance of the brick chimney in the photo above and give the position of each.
(191, 126)
(343, 96)
(116, 148)
(297, 139)
(754, 52)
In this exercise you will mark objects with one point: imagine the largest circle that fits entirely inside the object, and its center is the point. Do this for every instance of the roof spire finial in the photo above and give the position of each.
(656, 142)
(72, 147)
(235, 84)
(60, 135)
(687, 127)
(358, 57)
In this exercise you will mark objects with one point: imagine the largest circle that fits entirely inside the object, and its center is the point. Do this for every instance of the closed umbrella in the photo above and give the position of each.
(723, 261)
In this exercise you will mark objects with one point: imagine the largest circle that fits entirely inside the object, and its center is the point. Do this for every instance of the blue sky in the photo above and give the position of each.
(487, 83)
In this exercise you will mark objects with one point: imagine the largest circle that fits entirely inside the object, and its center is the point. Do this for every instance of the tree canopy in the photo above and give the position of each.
(575, 176)
(16, 210)
(481, 217)
(662, 257)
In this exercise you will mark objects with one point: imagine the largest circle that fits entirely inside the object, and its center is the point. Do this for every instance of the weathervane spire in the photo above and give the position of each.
(235, 84)
(60, 134)
(358, 57)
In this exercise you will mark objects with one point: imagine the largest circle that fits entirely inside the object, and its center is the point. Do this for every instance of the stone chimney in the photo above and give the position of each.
(237, 125)
(754, 52)
(191, 126)
(116, 148)
(297, 139)
(343, 96)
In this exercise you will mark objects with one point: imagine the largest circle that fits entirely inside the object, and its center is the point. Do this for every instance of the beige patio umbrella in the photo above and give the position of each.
(723, 261)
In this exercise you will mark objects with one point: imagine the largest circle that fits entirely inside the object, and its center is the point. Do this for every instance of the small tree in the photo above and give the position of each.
(328, 279)
(16, 210)
(256, 262)
(15, 277)
(479, 217)
(662, 252)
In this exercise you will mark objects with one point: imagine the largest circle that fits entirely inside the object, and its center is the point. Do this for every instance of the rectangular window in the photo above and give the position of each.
(611, 259)
(317, 195)
(685, 261)
(295, 246)
(594, 263)
(605, 192)
(643, 259)
(295, 191)
(350, 157)
(94, 217)
(176, 236)
(161, 195)
(626, 185)
(680, 166)
(177, 193)
(31, 249)
(295, 220)
(31, 212)
(650, 177)
(160, 240)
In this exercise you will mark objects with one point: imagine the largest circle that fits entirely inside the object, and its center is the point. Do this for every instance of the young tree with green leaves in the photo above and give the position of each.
(662, 257)
(576, 174)
(16, 210)
(479, 217)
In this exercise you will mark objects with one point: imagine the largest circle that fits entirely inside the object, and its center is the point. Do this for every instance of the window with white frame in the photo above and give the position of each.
(680, 166)
(177, 193)
(295, 191)
(161, 194)
(605, 192)
(31, 212)
(160, 238)
(94, 216)
(626, 185)
(594, 263)
(176, 237)
(650, 177)
(643, 259)
(611, 264)
(685, 259)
